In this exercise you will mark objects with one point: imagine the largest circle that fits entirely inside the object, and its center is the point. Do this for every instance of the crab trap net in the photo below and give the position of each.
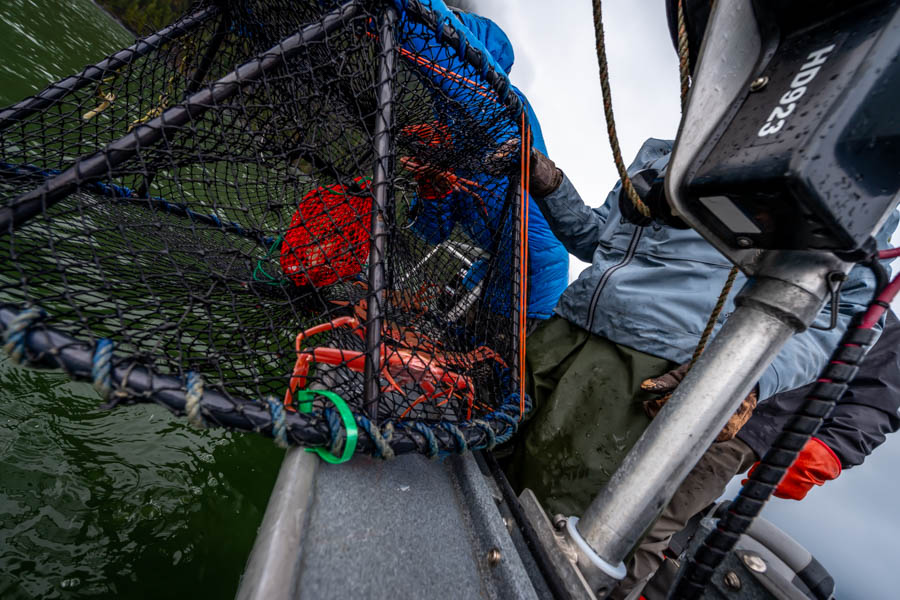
(302, 218)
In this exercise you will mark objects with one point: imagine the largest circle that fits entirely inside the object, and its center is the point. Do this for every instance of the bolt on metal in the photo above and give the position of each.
(559, 522)
(759, 83)
(493, 557)
(732, 580)
(754, 562)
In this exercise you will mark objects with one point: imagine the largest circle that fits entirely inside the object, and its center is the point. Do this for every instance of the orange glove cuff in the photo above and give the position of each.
(835, 464)
(815, 464)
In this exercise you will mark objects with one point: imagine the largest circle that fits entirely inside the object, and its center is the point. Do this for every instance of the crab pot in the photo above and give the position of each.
(267, 201)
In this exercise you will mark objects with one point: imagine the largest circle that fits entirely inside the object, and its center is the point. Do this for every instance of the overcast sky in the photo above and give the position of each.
(556, 67)
(850, 524)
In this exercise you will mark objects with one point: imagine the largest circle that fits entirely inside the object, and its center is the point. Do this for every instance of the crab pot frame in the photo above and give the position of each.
(37, 338)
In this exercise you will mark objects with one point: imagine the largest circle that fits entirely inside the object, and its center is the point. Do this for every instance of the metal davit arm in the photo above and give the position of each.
(788, 284)
(782, 300)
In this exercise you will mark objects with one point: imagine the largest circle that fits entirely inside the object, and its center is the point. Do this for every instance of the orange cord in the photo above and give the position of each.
(478, 88)
(521, 187)
(525, 175)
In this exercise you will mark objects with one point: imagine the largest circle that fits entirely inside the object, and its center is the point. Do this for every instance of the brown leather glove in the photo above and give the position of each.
(665, 384)
(545, 177)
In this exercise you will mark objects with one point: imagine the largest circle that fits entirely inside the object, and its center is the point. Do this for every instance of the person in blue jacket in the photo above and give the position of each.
(477, 207)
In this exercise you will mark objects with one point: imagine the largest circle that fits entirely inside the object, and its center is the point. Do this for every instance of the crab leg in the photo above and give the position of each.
(427, 370)
(301, 366)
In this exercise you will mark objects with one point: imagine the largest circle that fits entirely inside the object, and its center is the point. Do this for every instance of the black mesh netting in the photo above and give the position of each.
(274, 196)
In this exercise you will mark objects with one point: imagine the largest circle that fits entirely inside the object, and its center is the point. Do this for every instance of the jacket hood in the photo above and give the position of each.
(493, 38)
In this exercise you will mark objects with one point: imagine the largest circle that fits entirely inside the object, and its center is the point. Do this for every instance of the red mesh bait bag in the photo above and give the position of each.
(328, 240)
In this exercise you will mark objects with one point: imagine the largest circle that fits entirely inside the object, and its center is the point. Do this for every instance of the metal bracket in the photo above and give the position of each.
(835, 281)
(557, 550)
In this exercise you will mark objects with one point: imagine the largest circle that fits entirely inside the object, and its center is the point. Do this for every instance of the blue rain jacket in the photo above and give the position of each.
(653, 288)
(547, 257)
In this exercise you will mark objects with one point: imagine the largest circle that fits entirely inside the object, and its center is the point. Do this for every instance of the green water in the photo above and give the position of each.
(129, 503)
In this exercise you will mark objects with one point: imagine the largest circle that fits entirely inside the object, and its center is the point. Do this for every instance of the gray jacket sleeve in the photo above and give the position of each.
(860, 422)
(574, 223)
(580, 227)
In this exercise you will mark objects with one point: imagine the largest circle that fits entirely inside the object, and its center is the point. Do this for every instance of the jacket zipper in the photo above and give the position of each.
(629, 254)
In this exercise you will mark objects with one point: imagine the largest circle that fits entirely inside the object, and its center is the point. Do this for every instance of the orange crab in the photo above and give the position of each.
(435, 372)
(434, 182)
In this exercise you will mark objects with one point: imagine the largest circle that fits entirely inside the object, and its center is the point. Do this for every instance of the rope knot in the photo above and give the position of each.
(381, 439)
(430, 439)
(489, 433)
(461, 446)
(14, 338)
(336, 427)
(279, 422)
(101, 367)
(194, 387)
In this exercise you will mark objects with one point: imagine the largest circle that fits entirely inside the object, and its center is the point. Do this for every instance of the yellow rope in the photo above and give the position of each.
(608, 112)
(714, 317)
(684, 60)
(165, 98)
(684, 71)
(107, 98)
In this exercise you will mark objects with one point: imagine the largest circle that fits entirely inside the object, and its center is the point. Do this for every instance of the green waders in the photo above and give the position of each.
(588, 413)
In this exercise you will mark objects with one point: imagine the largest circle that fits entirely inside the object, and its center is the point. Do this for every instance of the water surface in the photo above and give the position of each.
(128, 503)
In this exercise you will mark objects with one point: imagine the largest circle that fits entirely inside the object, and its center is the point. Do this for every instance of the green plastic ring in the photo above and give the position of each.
(304, 402)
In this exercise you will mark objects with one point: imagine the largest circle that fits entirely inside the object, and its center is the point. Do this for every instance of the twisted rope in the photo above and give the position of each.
(684, 69)
(192, 397)
(461, 446)
(610, 119)
(101, 367)
(489, 433)
(684, 58)
(714, 317)
(382, 441)
(14, 339)
(336, 429)
(511, 420)
(513, 426)
(429, 438)
(279, 422)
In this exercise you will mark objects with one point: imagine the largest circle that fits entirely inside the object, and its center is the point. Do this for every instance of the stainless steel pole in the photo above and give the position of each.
(784, 299)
